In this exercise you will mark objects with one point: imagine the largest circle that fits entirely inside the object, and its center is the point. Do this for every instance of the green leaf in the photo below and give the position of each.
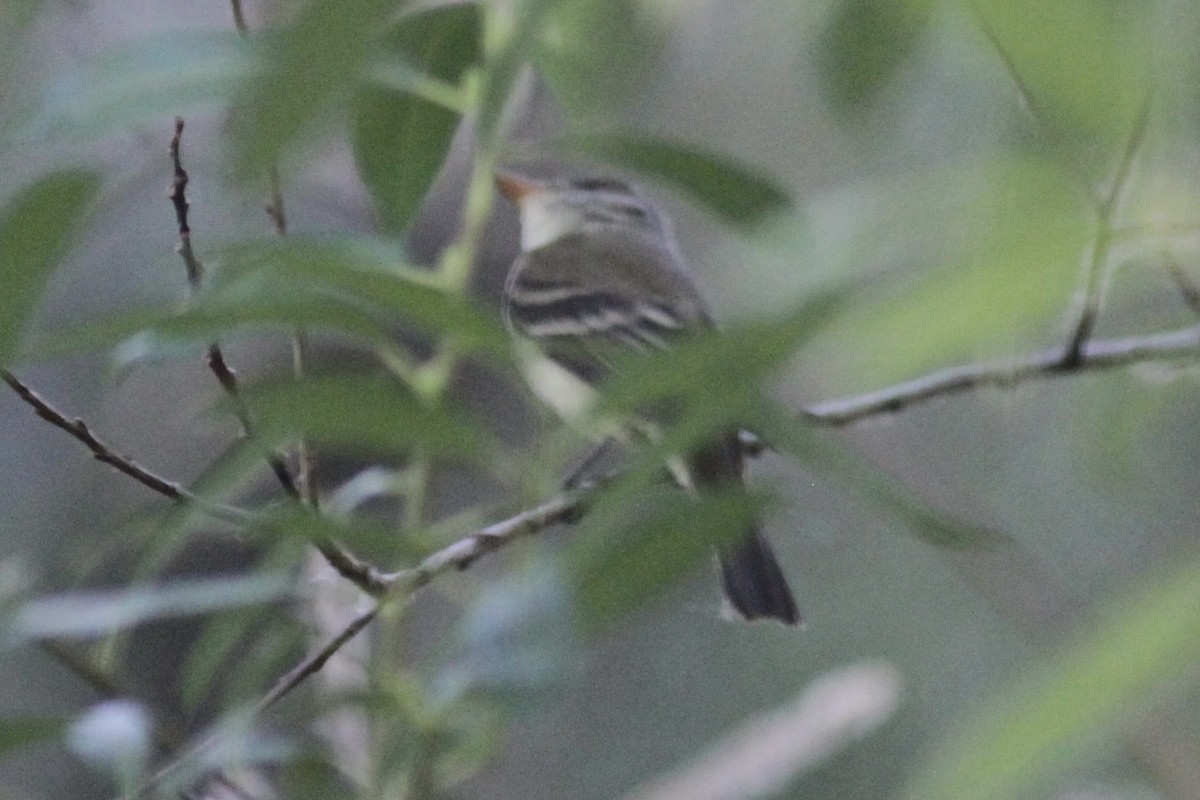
(1145, 646)
(401, 137)
(360, 414)
(506, 57)
(370, 272)
(993, 254)
(17, 732)
(632, 547)
(866, 43)
(356, 286)
(734, 193)
(309, 68)
(517, 640)
(36, 230)
(718, 370)
(145, 82)
(816, 450)
(95, 614)
(594, 54)
(1094, 86)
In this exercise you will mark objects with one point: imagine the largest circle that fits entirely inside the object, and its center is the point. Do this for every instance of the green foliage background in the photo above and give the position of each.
(868, 191)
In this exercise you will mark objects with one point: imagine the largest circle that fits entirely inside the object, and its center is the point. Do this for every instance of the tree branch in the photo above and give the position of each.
(195, 272)
(103, 452)
(1049, 363)
(1097, 270)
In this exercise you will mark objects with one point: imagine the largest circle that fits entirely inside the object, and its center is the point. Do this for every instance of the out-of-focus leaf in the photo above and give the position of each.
(93, 614)
(631, 549)
(362, 413)
(996, 252)
(144, 82)
(355, 286)
(308, 68)
(114, 735)
(400, 138)
(25, 731)
(209, 659)
(231, 744)
(1093, 85)
(782, 430)
(1146, 645)
(734, 193)
(866, 43)
(593, 54)
(370, 271)
(516, 640)
(36, 230)
(504, 62)
(722, 370)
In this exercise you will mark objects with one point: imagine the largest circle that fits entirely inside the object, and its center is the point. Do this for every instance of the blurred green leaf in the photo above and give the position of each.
(308, 68)
(1085, 65)
(18, 731)
(504, 61)
(817, 450)
(208, 659)
(1146, 645)
(355, 286)
(36, 230)
(594, 54)
(400, 137)
(370, 271)
(94, 614)
(718, 370)
(992, 254)
(516, 640)
(866, 43)
(734, 193)
(362, 414)
(632, 547)
(145, 82)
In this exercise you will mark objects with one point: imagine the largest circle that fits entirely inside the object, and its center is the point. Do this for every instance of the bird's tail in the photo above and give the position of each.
(750, 576)
(754, 583)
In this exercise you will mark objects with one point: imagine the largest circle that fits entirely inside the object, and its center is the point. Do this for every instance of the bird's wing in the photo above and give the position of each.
(585, 297)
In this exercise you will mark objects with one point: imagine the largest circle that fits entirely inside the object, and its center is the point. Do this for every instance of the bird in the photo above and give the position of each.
(600, 272)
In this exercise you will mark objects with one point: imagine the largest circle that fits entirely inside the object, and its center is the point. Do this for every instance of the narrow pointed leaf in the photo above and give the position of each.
(36, 230)
(735, 193)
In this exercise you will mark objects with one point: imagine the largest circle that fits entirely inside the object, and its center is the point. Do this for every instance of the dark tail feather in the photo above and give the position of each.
(754, 583)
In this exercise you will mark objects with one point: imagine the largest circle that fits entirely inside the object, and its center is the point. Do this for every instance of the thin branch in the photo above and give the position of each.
(104, 453)
(565, 508)
(1183, 282)
(349, 566)
(460, 555)
(1097, 269)
(1095, 355)
(195, 272)
(310, 666)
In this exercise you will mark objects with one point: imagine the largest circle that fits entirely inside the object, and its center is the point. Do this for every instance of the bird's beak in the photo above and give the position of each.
(516, 187)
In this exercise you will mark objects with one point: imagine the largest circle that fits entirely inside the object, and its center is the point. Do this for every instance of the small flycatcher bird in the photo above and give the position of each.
(598, 270)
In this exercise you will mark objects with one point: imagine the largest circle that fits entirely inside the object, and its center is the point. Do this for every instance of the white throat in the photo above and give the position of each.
(544, 221)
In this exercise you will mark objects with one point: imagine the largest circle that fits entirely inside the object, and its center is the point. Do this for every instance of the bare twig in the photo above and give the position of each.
(460, 555)
(564, 508)
(104, 453)
(195, 272)
(1097, 268)
(1095, 355)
